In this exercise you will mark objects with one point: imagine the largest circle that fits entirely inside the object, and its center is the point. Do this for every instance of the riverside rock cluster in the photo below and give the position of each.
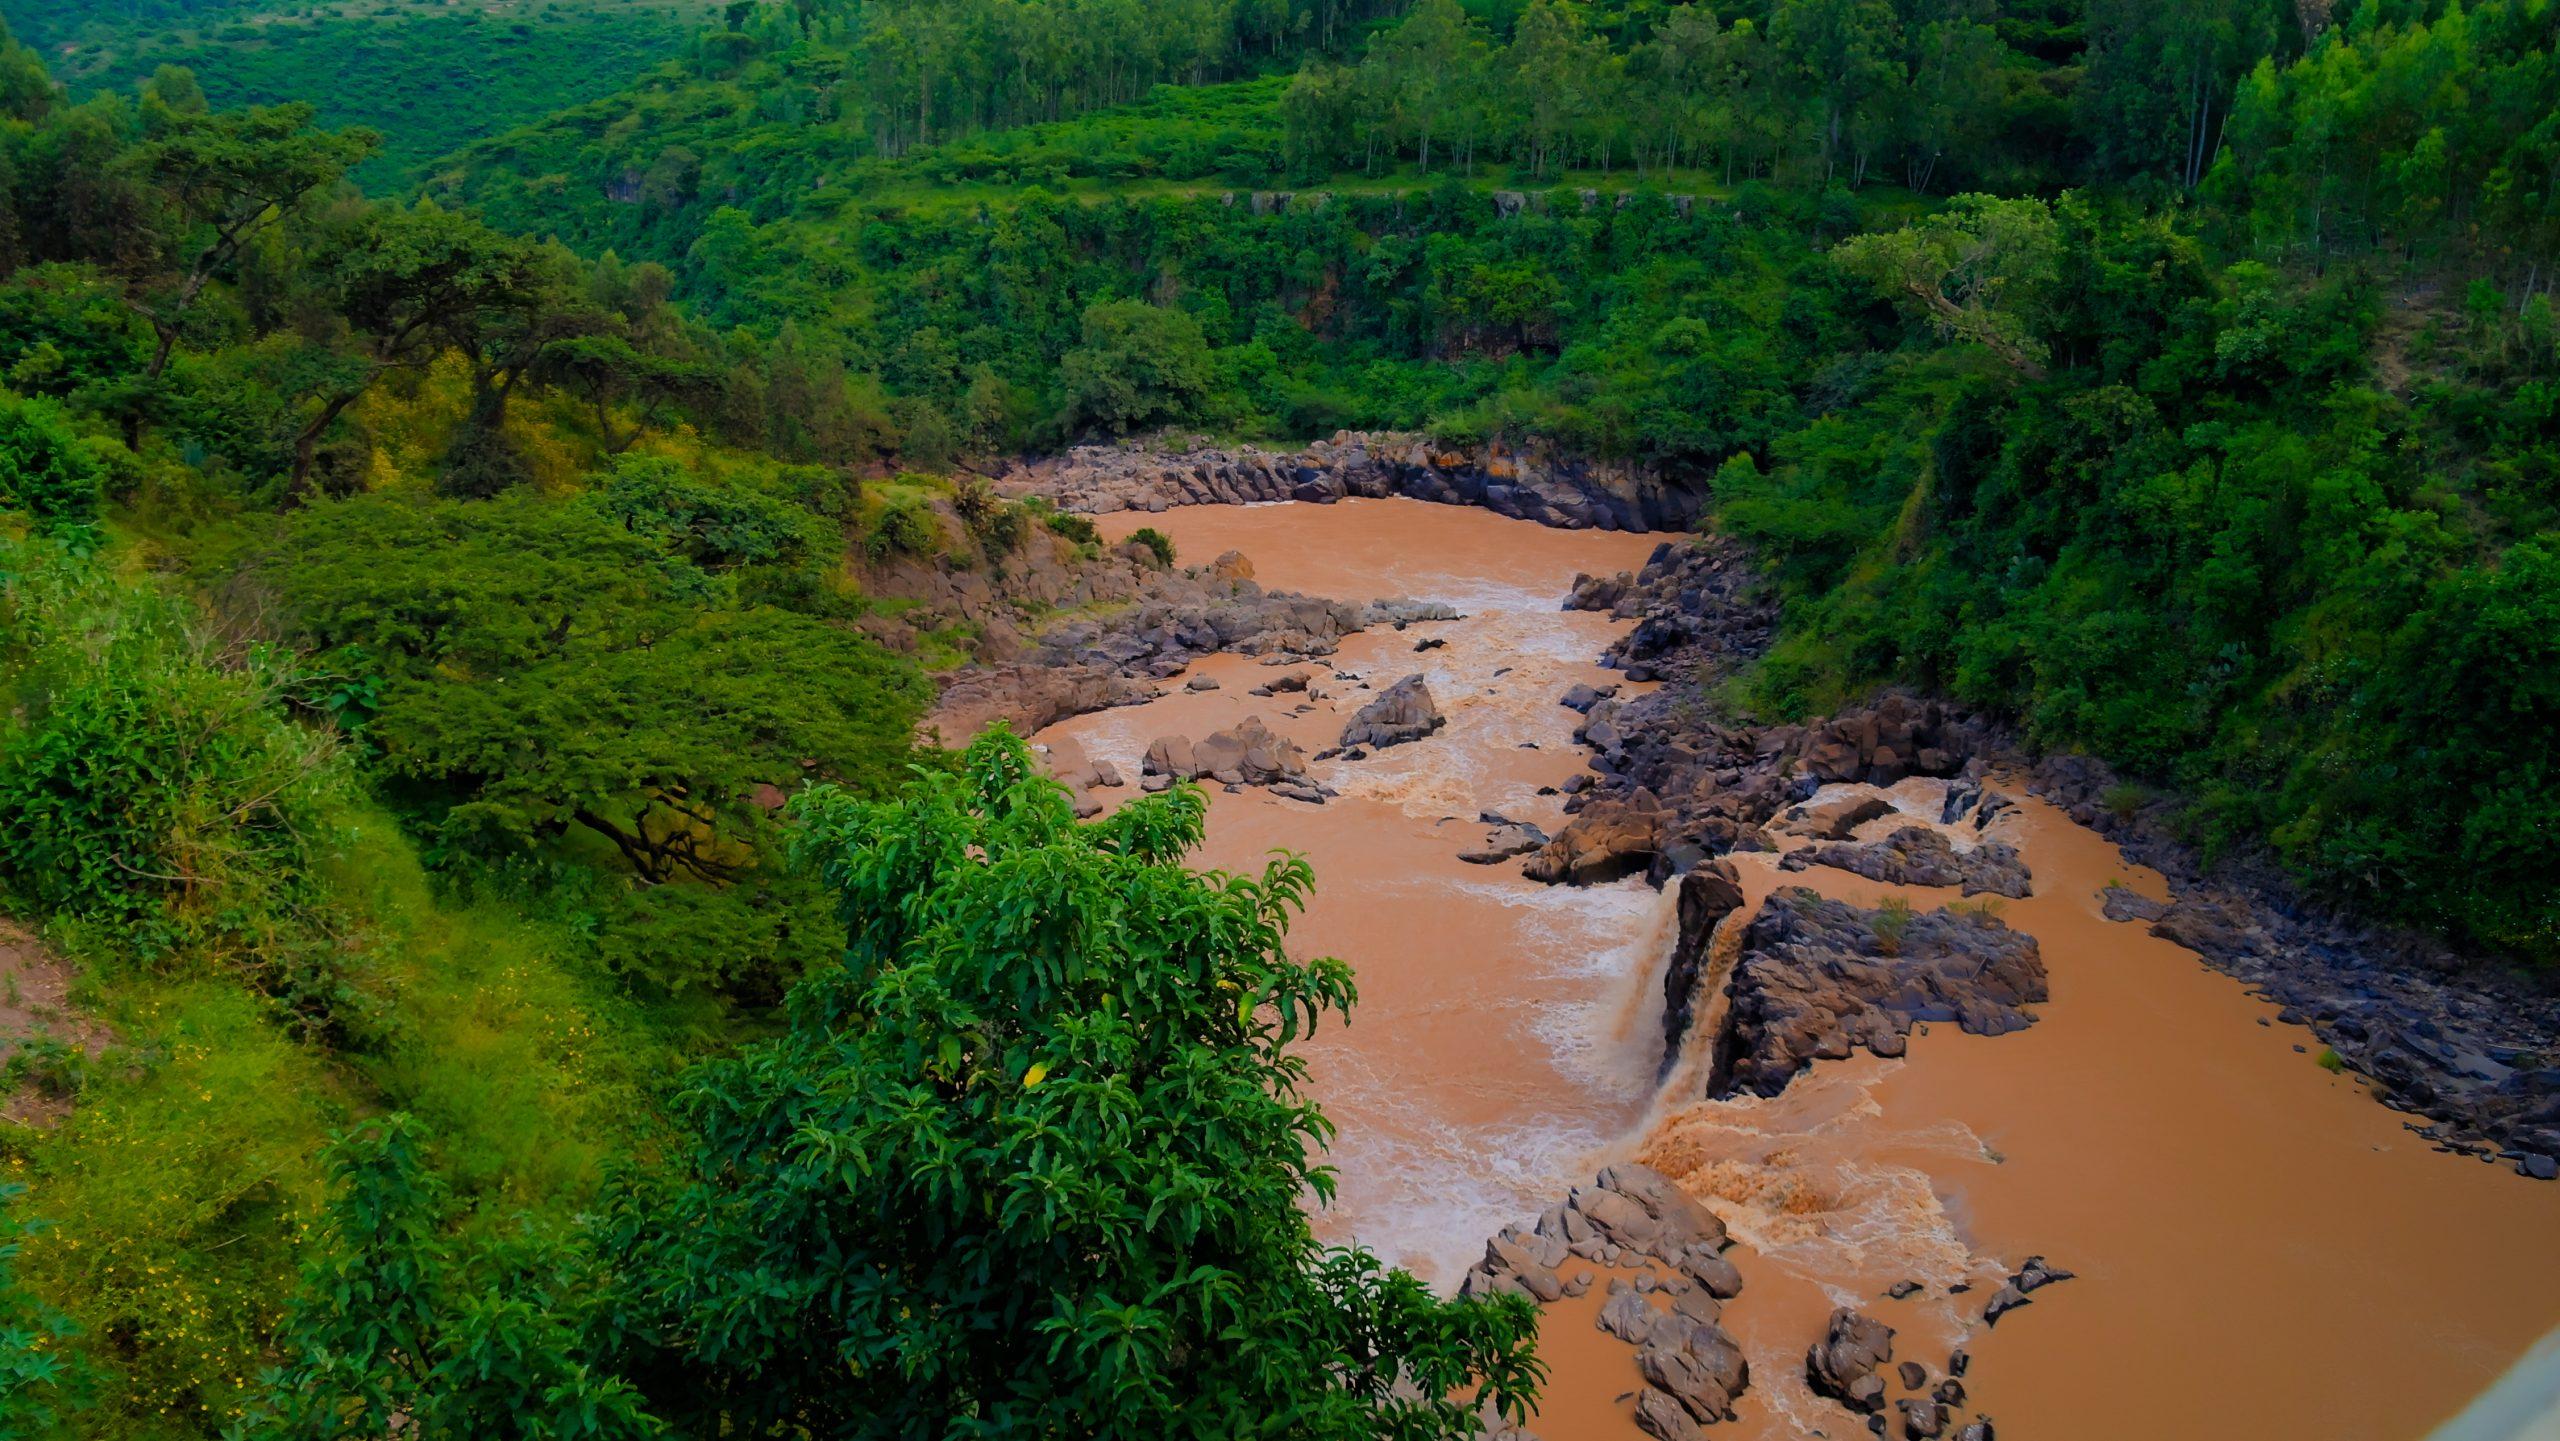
(1819, 978)
(1672, 786)
(1528, 484)
(1635, 1218)
(1851, 1364)
(1091, 664)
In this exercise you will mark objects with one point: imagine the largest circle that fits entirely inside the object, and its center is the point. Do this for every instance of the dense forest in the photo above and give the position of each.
(427, 75)
(2182, 380)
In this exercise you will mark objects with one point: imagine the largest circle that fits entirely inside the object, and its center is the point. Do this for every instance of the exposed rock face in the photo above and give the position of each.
(1028, 695)
(1838, 820)
(1843, 1364)
(1534, 484)
(1919, 856)
(1402, 712)
(1819, 978)
(1248, 754)
(1615, 837)
(1630, 1216)
(1707, 895)
(1091, 664)
(1696, 603)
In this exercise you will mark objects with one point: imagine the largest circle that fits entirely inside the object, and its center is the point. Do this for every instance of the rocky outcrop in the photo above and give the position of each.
(1817, 979)
(1093, 663)
(1899, 736)
(1708, 895)
(1699, 605)
(1634, 1217)
(1843, 1365)
(1027, 695)
(1835, 820)
(1082, 774)
(2461, 1041)
(1506, 839)
(1162, 636)
(1529, 483)
(1618, 836)
(1402, 712)
(1919, 856)
(1246, 754)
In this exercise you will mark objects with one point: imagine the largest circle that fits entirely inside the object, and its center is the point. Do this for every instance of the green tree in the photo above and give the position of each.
(226, 178)
(1139, 365)
(410, 284)
(46, 469)
(1843, 48)
(547, 668)
(1032, 1161)
(1980, 270)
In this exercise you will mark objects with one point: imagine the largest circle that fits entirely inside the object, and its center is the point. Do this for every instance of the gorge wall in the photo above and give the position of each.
(1526, 482)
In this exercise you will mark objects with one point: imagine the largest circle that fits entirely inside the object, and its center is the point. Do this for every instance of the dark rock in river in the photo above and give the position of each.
(1404, 712)
(1502, 843)
(2003, 1301)
(1819, 978)
(2124, 903)
(1920, 856)
(1842, 1365)
(1612, 837)
(1708, 894)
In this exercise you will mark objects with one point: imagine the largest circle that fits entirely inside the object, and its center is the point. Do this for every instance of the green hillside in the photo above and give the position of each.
(2208, 448)
(430, 76)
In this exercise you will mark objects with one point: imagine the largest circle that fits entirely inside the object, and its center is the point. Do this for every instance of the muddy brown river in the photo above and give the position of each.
(2262, 1249)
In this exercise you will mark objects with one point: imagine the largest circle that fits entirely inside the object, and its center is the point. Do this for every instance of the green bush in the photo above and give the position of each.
(1139, 365)
(1155, 541)
(905, 526)
(39, 1379)
(152, 788)
(46, 469)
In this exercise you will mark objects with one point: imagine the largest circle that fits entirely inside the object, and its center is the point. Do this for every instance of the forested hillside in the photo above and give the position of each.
(449, 691)
(2220, 442)
(429, 76)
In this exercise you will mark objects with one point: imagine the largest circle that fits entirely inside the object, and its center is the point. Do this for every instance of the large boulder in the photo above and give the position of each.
(1842, 1365)
(1403, 712)
(1696, 1364)
(1613, 836)
(1817, 979)
(1248, 753)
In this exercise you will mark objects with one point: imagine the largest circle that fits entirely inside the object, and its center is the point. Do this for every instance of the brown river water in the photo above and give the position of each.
(2262, 1250)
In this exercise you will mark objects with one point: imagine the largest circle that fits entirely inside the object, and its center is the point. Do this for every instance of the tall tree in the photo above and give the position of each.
(1031, 1163)
(226, 178)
